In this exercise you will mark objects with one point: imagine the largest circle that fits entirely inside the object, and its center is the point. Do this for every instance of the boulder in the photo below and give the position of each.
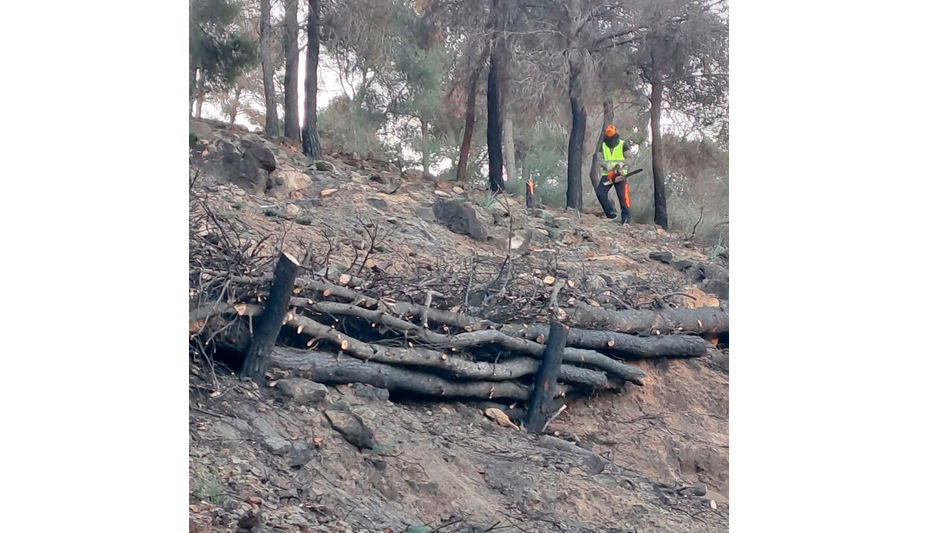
(461, 218)
(286, 181)
(302, 391)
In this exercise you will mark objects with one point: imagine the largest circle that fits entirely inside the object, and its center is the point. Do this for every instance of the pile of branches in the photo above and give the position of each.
(473, 330)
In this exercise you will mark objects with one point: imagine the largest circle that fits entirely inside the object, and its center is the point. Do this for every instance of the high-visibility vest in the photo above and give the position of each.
(613, 156)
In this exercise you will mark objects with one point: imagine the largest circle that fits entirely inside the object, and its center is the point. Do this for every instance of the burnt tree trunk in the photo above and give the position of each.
(601, 193)
(493, 96)
(310, 141)
(656, 147)
(192, 89)
(468, 124)
(268, 69)
(270, 322)
(577, 135)
(290, 45)
(539, 409)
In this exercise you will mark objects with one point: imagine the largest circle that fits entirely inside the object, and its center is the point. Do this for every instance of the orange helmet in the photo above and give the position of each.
(610, 130)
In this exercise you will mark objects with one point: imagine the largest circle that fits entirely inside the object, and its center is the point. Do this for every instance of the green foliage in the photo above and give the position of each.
(344, 123)
(217, 46)
(208, 488)
(545, 163)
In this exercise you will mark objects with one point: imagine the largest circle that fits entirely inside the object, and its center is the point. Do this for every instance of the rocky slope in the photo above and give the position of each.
(649, 458)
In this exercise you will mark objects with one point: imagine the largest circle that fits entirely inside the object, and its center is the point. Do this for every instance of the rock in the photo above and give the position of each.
(561, 222)
(291, 211)
(681, 265)
(237, 191)
(297, 520)
(302, 391)
(458, 190)
(461, 218)
(363, 390)
(442, 194)
(326, 193)
(698, 489)
(378, 178)
(275, 442)
(287, 181)
(323, 166)
(203, 131)
(663, 257)
(377, 203)
(349, 425)
(539, 213)
(263, 155)
(425, 213)
(412, 174)
(300, 457)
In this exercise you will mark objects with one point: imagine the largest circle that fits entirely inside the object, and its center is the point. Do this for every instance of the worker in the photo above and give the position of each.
(613, 173)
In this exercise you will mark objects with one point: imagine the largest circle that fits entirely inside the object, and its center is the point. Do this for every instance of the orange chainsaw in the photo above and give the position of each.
(616, 178)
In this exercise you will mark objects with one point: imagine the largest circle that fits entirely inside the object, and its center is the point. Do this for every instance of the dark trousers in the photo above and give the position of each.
(621, 189)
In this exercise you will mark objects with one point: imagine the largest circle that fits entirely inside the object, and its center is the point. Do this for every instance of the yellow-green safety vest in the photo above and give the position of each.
(612, 156)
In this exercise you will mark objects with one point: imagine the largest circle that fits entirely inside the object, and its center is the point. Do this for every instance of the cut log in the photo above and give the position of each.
(270, 323)
(511, 368)
(691, 321)
(328, 369)
(479, 338)
(621, 345)
(539, 410)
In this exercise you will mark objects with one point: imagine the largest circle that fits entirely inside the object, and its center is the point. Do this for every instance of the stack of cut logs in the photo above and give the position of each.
(326, 330)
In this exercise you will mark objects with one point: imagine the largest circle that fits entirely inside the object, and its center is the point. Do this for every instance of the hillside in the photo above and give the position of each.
(632, 458)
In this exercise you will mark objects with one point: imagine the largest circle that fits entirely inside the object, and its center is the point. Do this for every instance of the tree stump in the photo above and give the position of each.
(540, 404)
(270, 322)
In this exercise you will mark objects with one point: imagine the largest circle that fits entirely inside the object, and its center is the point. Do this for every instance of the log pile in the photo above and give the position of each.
(462, 334)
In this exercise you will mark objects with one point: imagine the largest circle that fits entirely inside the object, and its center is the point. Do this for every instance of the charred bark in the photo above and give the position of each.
(329, 369)
(577, 135)
(656, 145)
(310, 141)
(493, 97)
(270, 322)
(539, 408)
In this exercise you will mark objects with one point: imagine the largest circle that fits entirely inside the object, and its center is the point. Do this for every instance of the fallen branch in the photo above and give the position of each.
(511, 368)
(692, 321)
(476, 338)
(618, 344)
(328, 369)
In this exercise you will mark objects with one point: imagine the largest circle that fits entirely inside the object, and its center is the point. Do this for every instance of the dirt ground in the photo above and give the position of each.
(646, 459)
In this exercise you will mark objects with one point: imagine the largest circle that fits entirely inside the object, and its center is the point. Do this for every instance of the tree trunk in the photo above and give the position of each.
(234, 105)
(310, 141)
(290, 44)
(511, 167)
(494, 130)
(608, 117)
(701, 321)
(192, 89)
(656, 148)
(577, 135)
(539, 409)
(270, 323)
(201, 91)
(425, 146)
(268, 70)
(470, 121)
